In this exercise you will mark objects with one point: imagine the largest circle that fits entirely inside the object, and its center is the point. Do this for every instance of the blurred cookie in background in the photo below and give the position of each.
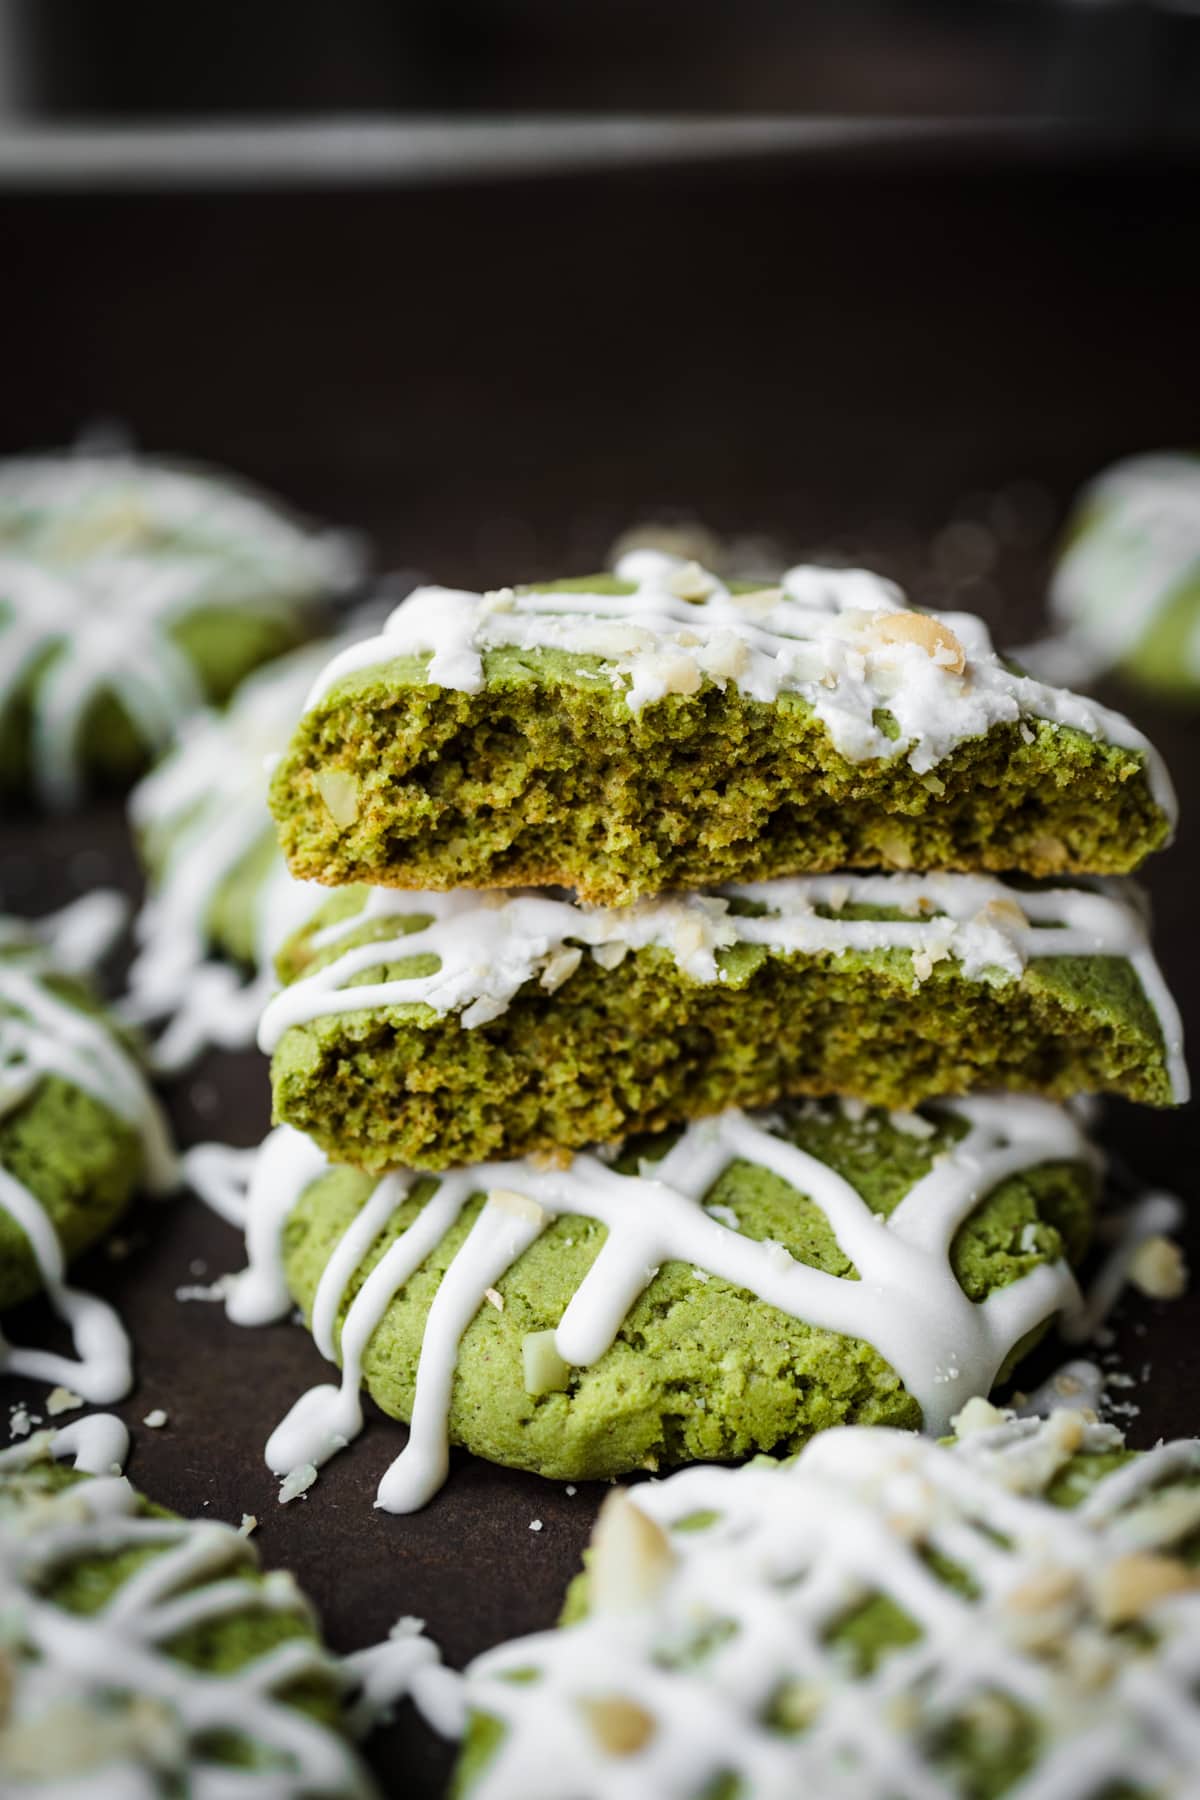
(133, 592)
(1125, 592)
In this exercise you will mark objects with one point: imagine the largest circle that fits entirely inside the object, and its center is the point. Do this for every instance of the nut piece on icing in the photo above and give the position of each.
(631, 1557)
(977, 1415)
(1135, 1584)
(937, 640)
(518, 1206)
(620, 1726)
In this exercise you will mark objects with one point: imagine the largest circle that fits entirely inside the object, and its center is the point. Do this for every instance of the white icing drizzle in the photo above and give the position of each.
(1152, 1214)
(488, 946)
(1138, 548)
(207, 799)
(102, 556)
(742, 1609)
(406, 1665)
(907, 1303)
(818, 635)
(41, 1035)
(69, 1667)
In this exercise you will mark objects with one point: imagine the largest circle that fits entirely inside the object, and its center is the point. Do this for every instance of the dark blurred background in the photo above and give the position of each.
(495, 281)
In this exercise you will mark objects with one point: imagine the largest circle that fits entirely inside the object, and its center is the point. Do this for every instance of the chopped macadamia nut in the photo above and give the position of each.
(976, 1416)
(1133, 1585)
(691, 582)
(61, 1400)
(937, 640)
(1158, 1269)
(339, 791)
(518, 1206)
(620, 1726)
(560, 967)
(631, 1556)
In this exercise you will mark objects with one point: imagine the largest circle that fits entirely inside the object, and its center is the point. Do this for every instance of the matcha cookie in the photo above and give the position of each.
(884, 1618)
(132, 592)
(80, 1132)
(733, 1289)
(624, 736)
(220, 899)
(440, 1029)
(145, 1654)
(1126, 590)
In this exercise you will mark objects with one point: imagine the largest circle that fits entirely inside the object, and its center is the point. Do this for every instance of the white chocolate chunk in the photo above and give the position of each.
(339, 792)
(542, 1367)
(631, 1557)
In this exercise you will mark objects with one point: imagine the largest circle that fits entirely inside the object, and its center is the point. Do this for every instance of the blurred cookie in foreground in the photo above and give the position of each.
(1126, 590)
(80, 1133)
(132, 592)
(145, 1654)
(881, 1619)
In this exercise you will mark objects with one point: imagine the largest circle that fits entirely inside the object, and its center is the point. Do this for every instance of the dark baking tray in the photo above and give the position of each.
(492, 381)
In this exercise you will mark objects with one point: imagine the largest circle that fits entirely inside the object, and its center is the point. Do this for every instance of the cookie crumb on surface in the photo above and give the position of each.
(249, 1524)
(156, 1419)
(535, 1524)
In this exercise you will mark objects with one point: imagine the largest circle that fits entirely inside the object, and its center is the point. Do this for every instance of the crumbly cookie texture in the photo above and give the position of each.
(442, 1029)
(730, 1290)
(146, 1653)
(131, 593)
(620, 737)
(1126, 589)
(884, 1617)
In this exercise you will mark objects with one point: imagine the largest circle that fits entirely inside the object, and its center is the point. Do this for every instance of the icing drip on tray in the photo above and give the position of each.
(100, 558)
(906, 1303)
(97, 1696)
(710, 1655)
(488, 946)
(842, 639)
(42, 1035)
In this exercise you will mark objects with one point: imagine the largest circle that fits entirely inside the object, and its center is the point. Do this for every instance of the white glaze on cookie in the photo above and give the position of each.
(823, 634)
(207, 800)
(489, 946)
(907, 1303)
(728, 1617)
(43, 1035)
(94, 1698)
(99, 558)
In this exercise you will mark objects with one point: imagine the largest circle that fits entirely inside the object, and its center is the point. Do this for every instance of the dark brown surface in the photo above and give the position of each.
(493, 383)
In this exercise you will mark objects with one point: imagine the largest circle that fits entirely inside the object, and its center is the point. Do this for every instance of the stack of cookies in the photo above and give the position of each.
(675, 1067)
